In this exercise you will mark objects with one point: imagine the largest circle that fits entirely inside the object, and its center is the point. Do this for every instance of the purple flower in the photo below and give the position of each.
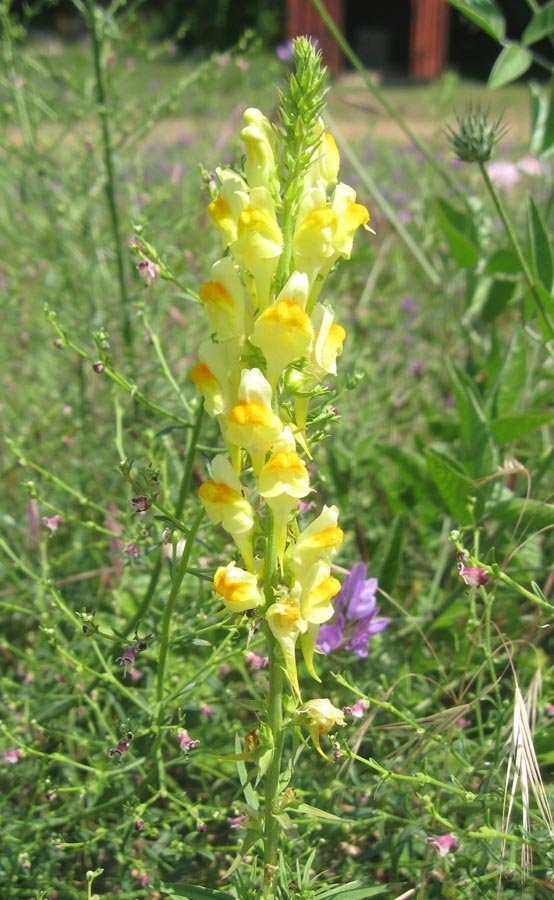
(355, 619)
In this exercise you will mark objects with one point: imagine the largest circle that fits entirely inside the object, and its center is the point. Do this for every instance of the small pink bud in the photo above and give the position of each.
(98, 367)
(148, 271)
(473, 576)
(357, 709)
(52, 523)
(444, 844)
(185, 741)
(140, 504)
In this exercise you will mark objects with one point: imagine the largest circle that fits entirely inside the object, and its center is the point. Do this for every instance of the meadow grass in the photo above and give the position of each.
(444, 395)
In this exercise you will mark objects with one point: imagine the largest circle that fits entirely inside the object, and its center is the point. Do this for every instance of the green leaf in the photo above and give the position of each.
(545, 305)
(510, 428)
(459, 231)
(498, 296)
(483, 13)
(542, 119)
(454, 487)
(194, 892)
(313, 812)
(526, 514)
(512, 62)
(540, 25)
(353, 892)
(479, 444)
(512, 378)
(386, 561)
(503, 262)
(541, 255)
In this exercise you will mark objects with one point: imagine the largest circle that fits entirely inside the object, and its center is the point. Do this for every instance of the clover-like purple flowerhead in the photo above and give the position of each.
(355, 619)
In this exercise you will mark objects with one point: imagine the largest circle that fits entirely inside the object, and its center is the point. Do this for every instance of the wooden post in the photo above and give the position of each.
(302, 18)
(428, 38)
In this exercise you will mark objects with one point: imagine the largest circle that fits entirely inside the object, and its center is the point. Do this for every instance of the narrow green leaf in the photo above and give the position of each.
(483, 13)
(512, 378)
(194, 892)
(459, 230)
(479, 444)
(353, 892)
(512, 62)
(454, 487)
(542, 119)
(510, 428)
(313, 812)
(541, 254)
(541, 24)
(386, 561)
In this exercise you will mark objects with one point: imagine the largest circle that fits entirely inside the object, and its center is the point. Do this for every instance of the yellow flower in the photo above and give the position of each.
(322, 717)
(251, 423)
(325, 162)
(258, 245)
(224, 503)
(284, 331)
(282, 482)
(317, 541)
(225, 210)
(259, 141)
(238, 588)
(286, 624)
(322, 360)
(318, 588)
(324, 233)
(225, 301)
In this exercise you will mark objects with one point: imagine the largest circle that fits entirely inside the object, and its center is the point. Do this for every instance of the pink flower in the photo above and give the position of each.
(52, 523)
(444, 844)
(148, 271)
(473, 576)
(255, 662)
(12, 756)
(357, 709)
(185, 741)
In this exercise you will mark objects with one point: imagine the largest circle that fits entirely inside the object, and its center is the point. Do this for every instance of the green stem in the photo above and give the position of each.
(103, 113)
(275, 722)
(517, 249)
(178, 575)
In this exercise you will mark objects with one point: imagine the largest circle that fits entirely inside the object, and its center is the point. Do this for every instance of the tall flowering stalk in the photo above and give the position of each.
(284, 221)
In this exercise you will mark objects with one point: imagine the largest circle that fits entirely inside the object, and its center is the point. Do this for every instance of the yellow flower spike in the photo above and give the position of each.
(238, 588)
(286, 624)
(225, 301)
(284, 331)
(282, 482)
(317, 541)
(251, 423)
(322, 717)
(257, 136)
(225, 504)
